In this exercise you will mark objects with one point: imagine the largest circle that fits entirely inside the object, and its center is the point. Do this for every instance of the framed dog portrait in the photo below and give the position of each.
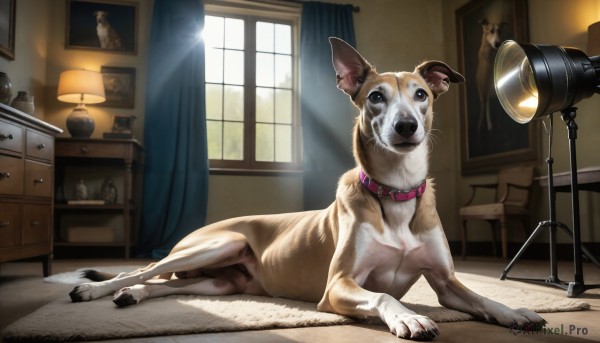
(7, 28)
(490, 139)
(109, 26)
(119, 86)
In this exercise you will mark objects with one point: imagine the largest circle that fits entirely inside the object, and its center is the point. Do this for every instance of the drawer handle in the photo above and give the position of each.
(4, 175)
(35, 223)
(40, 180)
(41, 146)
(85, 149)
(3, 136)
(5, 223)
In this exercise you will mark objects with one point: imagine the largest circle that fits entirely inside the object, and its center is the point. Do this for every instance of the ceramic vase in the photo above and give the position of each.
(109, 191)
(80, 191)
(5, 89)
(23, 102)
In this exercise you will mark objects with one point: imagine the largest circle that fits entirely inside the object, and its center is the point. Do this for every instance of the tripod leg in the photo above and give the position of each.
(531, 238)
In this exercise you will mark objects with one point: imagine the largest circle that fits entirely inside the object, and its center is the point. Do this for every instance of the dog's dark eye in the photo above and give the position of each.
(376, 97)
(420, 95)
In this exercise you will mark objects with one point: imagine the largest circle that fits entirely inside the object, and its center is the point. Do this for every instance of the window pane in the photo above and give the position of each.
(264, 36)
(213, 32)
(234, 71)
(283, 106)
(283, 71)
(264, 105)
(214, 101)
(234, 103)
(234, 34)
(214, 137)
(283, 39)
(214, 65)
(233, 141)
(265, 142)
(264, 70)
(283, 143)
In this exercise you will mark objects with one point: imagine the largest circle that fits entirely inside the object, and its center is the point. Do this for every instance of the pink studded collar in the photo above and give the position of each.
(383, 191)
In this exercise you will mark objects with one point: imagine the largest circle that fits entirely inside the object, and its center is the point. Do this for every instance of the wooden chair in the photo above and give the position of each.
(513, 192)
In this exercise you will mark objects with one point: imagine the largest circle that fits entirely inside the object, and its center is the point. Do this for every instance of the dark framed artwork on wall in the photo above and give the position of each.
(119, 86)
(490, 139)
(109, 26)
(7, 28)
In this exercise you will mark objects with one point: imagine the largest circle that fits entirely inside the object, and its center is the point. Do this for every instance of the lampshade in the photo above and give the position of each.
(81, 87)
(593, 44)
(536, 80)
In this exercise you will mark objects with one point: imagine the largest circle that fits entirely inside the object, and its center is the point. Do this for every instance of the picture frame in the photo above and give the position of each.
(8, 10)
(122, 127)
(123, 124)
(119, 86)
(490, 139)
(102, 25)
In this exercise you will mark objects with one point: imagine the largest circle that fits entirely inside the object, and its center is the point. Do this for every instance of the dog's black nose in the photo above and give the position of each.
(406, 127)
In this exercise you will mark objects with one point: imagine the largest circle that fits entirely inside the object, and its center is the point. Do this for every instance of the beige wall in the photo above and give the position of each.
(60, 59)
(41, 56)
(392, 34)
(27, 71)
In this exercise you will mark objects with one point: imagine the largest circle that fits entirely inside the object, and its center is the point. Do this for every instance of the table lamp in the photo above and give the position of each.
(80, 87)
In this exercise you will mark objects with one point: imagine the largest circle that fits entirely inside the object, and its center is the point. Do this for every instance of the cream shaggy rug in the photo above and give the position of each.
(62, 320)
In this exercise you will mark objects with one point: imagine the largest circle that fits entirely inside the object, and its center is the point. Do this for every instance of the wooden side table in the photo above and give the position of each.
(87, 154)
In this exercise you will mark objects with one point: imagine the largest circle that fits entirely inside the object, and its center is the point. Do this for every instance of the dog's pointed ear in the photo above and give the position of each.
(438, 76)
(351, 68)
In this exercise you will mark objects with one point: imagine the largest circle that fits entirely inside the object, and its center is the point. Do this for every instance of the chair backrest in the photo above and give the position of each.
(522, 176)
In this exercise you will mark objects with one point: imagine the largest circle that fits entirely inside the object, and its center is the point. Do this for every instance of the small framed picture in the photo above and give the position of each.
(103, 25)
(123, 124)
(122, 127)
(7, 28)
(119, 87)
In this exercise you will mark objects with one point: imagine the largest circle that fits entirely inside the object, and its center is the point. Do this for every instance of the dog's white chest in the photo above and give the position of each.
(391, 261)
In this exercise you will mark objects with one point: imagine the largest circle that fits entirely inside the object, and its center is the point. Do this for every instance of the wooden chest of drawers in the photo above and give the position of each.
(26, 186)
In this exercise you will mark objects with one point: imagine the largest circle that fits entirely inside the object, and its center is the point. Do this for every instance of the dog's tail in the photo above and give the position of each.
(95, 275)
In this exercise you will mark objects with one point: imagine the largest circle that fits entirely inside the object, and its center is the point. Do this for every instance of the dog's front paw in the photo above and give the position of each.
(130, 295)
(521, 317)
(413, 326)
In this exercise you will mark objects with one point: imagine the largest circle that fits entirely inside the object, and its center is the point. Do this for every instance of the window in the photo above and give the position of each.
(251, 92)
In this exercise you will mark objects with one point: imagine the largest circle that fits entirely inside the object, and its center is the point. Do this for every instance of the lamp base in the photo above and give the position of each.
(79, 123)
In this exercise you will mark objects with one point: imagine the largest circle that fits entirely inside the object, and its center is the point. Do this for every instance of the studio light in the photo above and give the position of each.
(532, 81)
(536, 80)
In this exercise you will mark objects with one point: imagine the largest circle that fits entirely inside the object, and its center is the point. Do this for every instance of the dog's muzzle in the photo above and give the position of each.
(406, 127)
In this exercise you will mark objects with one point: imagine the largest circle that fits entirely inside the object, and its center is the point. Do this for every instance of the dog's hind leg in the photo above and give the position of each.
(229, 280)
(218, 250)
(202, 286)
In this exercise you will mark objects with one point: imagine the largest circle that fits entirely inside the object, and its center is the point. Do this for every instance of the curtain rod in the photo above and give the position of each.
(355, 9)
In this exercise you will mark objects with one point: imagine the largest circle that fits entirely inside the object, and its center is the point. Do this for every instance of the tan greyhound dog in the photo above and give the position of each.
(358, 256)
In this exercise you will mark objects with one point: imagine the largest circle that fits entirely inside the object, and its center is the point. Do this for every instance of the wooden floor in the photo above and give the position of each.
(22, 291)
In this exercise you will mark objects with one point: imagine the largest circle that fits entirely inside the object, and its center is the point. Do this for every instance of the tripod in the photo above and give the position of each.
(577, 286)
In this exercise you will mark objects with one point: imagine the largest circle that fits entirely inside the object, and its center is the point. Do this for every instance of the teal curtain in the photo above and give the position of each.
(176, 159)
(327, 114)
